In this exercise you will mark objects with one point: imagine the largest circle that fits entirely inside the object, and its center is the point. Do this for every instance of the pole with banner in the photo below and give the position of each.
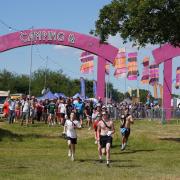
(94, 88)
(82, 84)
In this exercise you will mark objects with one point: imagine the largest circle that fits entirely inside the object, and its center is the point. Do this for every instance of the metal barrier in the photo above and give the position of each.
(142, 113)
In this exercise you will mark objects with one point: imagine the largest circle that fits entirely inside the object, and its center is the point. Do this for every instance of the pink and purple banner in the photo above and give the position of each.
(153, 74)
(86, 56)
(145, 73)
(120, 64)
(87, 67)
(132, 66)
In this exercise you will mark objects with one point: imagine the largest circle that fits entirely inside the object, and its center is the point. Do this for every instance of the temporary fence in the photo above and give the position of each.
(143, 113)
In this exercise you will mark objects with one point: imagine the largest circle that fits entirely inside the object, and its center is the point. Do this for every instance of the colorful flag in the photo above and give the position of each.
(120, 64)
(82, 83)
(177, 78)
(87, 67)
(153, 74)
(86, 56)
(132, 66)
(145, 73)
(107, 68)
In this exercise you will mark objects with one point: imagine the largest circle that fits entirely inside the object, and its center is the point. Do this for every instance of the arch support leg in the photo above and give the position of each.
(167, 88)
(100, 77)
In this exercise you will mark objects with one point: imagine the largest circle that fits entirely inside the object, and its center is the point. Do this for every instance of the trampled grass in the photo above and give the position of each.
(38, 152)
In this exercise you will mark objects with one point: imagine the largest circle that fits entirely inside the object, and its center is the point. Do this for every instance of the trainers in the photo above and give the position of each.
(72, 158)
(107, 164)
(122, 147)
(69, 153)
(95, 142)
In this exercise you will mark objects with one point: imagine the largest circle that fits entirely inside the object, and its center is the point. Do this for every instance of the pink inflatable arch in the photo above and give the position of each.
(105, 52)
(165, 54)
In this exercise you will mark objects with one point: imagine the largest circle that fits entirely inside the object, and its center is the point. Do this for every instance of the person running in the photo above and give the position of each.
(70, 129)
(126, 121)
(95, 120)
(104, 136)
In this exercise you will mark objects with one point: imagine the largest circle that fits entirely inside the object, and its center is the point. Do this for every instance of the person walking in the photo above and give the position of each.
(25, 111)
(12, 105)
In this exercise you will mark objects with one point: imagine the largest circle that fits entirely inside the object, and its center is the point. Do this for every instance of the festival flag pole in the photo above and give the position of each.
(106, 91)
(30, 70)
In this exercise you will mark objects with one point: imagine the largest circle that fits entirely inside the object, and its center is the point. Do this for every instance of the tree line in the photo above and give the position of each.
(56, 81)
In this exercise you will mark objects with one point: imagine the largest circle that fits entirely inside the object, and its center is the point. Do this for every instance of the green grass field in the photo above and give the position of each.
(38, 152)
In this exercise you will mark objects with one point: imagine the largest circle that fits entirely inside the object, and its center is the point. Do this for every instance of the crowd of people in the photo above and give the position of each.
(70, 113)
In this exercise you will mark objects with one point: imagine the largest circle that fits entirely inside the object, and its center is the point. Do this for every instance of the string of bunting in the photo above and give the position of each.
(153, 74)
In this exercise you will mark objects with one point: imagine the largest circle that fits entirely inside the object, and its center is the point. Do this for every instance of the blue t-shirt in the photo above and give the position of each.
(79, 107)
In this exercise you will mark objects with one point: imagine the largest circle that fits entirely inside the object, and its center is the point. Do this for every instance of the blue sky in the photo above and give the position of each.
(74, 15)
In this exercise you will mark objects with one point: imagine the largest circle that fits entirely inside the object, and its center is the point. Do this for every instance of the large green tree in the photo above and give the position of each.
(141, 21)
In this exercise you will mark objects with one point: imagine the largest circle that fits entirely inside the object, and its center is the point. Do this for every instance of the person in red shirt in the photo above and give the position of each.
(6, 108)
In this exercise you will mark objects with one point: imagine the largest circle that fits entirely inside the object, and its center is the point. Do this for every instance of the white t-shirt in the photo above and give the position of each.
(26, 106)
(71, 131)
(94, 115)
(62, 108)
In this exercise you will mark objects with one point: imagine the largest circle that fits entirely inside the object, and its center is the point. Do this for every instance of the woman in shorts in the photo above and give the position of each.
(70, 129)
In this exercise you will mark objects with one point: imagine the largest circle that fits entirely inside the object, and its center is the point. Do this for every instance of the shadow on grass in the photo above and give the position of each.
(126, 166)
(8, 134)
(22, 167)
(170, 139)
(113, 163)
(133, 151)
(97, 161)
(4, 133)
